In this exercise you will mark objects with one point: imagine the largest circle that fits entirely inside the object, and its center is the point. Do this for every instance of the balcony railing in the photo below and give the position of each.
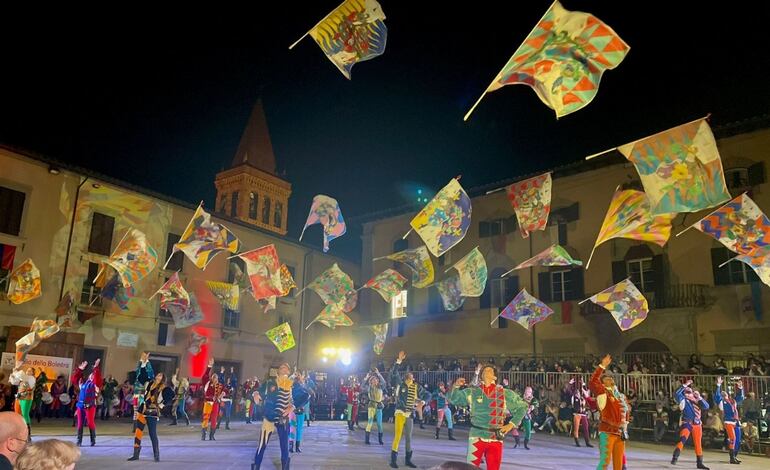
(672, 296)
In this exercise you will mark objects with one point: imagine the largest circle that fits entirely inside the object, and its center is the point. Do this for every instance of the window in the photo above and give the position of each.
(641, 273)
(278, 216)
(161, 363)
(266, 211)
(398, 305)
(234, 204)
(733, 272)
(236, 270)
(176, 260)
(90, 293)
(7, 254)
(102, 227)
(489, 228)
(231, 318)
(11, 209)
(253, 201)
(503, 290)
(166, 334)
(739, 272)
(561, 287)
(737, 178)
(223, 203)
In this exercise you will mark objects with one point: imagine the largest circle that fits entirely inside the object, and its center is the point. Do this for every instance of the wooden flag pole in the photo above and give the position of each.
(709, 214)
(590, 257)
(617, 188)
(731, 259)
(314, 27)
(468, 114)
(507, 273)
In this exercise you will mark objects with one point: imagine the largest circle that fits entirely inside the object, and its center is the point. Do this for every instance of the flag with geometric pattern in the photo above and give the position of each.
(388, 284)
(526, 310)
(333, 315)
(624, 301)
(740, 225)
(334, 286)
(133, 258)
(203, 239)
(418, 260)
(531, 201)
(555, 255)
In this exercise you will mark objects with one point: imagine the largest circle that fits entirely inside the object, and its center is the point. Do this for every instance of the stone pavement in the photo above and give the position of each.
(329, 445)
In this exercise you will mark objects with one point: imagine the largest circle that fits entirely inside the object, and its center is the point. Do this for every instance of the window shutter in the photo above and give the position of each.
(757, 174)
(485, 301)
(575, 277)
(483, 229)
(563, 234)
(659, 271)
(511, 224)
(721, 275)
(511, 288)
(544, 287)
(11, 209)
(619, 271)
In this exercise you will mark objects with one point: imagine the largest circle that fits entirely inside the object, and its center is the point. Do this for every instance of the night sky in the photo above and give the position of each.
(159, 101)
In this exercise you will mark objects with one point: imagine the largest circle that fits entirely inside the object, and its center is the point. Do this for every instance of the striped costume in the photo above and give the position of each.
(277, 403)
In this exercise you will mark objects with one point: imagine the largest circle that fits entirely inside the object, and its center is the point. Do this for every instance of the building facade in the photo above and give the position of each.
(694, 305)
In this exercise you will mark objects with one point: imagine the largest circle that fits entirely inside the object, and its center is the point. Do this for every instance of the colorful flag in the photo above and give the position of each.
(281, 337)
(133, 258)
(229, 295)
(629, 216)
(203, 239)
(264, 271)
(64, 311)
(531, 201)
(624, 301)
(24, 283)
(473, 273)
(354, 32)
(563, 59)
(680, 168)
(38, 331)
(334, 286)
(326, 211)
(268, 303)
(451, 297)
(418, 260)
(380, 335)
(443, 222)
(388, 284)
(287, 282)
(114, 291)
(333, 315)
(526, 310)
(740, 225)
(189, 317)
(196, 343)
(173, 296)
(555, 255)
(759, 260)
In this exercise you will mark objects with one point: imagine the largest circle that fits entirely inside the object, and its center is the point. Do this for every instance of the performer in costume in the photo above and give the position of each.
(443, 411)
(580, 411)
(144, 375)
(37, 400)
(300, 394)
(249, 387)
(24, 379)
(729, 407)
(488, 403)
(231, 387)
(692, 405)
(181, 389)
(375, 392)
(351, 391)
(275, 394)
(86, 405)
(108, 393)
(526, 422)
(213, 391)
(612, 414)
(58, 388)
(148, 414)
(406, 393)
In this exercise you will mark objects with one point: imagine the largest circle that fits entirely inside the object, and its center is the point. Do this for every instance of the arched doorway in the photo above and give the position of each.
(647, 345)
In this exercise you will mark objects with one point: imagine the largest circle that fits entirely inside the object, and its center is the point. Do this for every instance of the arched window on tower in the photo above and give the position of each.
(234, 204)
(266, 211)
(278, 216)
(253, 201)
(223, 203)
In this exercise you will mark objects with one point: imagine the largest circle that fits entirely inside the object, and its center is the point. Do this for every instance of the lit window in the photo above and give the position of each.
(561, 287)
(398, 305)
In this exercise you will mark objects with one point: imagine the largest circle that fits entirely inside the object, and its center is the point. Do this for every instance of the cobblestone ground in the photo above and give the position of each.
(329, 445)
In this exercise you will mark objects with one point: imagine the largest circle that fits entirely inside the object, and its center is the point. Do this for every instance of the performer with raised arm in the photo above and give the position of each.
(488, 403)
(181, 389)
(213, 392)
(351, 391)
(443, 411)
(374, 384)
(729, 407)
(613, 416)
(148, 414)
(275, 394)
(144, 374)
(692, 406)
(406, 392)
(86, 405)
(580, 411)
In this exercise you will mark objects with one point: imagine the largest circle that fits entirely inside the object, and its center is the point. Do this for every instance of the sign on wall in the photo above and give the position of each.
(53, 366)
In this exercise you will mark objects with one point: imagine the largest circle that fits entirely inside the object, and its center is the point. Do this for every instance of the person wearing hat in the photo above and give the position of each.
(692, 405)
(276, 397)
(213, 392)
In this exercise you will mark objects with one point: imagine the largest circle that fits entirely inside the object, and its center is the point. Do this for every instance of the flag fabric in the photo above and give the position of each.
(531, 200)
(473, 273)
(451, 297)
(418, 260)
(759, 260)
(354, 32)
(624, 301)
(38, 331)
(555, 255)
(680, 168)
(629, 216)
(264, 271)
(229, 295)
(388, 284)
(380, 335)
(333, 315)
(563, 59)
(64, 311)
(203, 239)
(281, 336)
(133, 258)
(189, 317)
(326, 211)
(115, 291)
(268, 303)
(173, 296)
(24, 283)
(287, 282)
(334, 286)
(740, 225)
(196, 343)
(526, 310)
(443, 222)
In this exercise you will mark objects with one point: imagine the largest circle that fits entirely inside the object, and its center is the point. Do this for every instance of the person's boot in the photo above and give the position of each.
(516, 441)
(80, 437)
(451, 437)
(577, 443)
(203, 434)
(93, 436)
(187, 419)
(156, 453)
(379, 438)
(366, 439)
(291, 447)
(438, 430)
(136, 454)
(733, 460)
(393, 457)
(211, 434)
(173, 421)
(675, 456)
(296, 448)
(408, 460)
(285, 465)
(735, 455)
(422, 423)
(588, 443)
(29, 433)
(227, 424)
(350, 425)
(699, 463)
(526, 441)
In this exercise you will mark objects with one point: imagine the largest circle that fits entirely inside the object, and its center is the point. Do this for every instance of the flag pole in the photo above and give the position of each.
(507, 273)
(588, 264)
(102, 265)
(731, 259)
(495, 319)
(468, 114)
(174, 249)
(709, 214)
(649, 136)
(314, 27)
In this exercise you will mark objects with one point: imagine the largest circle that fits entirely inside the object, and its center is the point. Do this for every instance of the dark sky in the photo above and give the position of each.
(161, 101)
